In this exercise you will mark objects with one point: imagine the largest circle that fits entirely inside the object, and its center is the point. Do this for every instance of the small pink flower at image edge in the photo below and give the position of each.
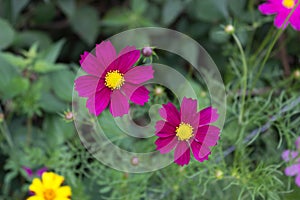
(282, 9)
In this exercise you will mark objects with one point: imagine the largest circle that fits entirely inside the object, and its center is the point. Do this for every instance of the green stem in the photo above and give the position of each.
(266, 57)
(29, 130)
(263, 44)
(3, 129)
(244, 78)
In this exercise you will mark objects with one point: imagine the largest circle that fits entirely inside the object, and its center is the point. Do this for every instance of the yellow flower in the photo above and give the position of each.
(49, 188)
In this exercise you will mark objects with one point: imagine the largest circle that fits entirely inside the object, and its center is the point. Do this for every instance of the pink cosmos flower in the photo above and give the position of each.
(186, 129)
(112, 80)
(282, 8)
(294, 169)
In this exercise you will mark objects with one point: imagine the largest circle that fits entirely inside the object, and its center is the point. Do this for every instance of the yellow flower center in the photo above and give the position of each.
(49, 194)
(184, 131)
(114, 79)
(288, 3)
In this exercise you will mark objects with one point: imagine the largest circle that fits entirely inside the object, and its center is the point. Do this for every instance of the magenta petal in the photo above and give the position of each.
(140, 96)
(127, 49)
(105, 53)
(159, 125)
(83, 56)
(28, 171)
(208, 115)
(288, 155)
(297, 180)
(268, 8)
(292, 170)
(124, 62)
(98, 101)
(166, 144)
(41, 171)
(88, 85)
(182, 153)
(170, 113)
(295, 19)
(280, 19)
(209, 135)
(92, 66)
(164, 129)
(188, 112)
(205, 157)
(137, 94)
(164, 134)
(119, 104)
(200, 151)
(139, 74)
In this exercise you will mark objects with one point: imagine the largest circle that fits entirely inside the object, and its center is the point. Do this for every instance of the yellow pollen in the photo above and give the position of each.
(49, 194)
(184, 131)
(114, 79)
(288, 3)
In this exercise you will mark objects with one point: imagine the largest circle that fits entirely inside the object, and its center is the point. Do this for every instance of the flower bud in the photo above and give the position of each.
(135, 161)
(158, 90)
(147, 51)
(235, 174)
(203, 94)
(219, 174)
(176, 187)
(69, 115)
(229, 29)
(297, 74)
